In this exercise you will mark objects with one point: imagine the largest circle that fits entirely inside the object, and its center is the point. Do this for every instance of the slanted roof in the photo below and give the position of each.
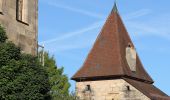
(148, 89)
(107, 58)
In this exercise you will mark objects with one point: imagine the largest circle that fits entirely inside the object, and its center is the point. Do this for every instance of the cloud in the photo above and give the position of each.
(158, 26)
(137, 14)
(58, 41)
(78, 42)
(74, 33)
(67, 47)
(77, 10)
(94, 26)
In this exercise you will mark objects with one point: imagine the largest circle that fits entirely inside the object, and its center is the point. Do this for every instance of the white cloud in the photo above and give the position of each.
(77, 10)
(74, 33)
(137, 14)
(158, 26)
(94, 26)
(143, 28)
(66, 47)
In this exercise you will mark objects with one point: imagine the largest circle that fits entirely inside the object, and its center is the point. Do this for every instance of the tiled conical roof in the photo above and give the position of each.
(107, 58)
(149, 90)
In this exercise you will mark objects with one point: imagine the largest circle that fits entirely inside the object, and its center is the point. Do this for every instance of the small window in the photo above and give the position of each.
(1, 6)
(88, 88)
(129, 45)
(22, 11)
(128, 88)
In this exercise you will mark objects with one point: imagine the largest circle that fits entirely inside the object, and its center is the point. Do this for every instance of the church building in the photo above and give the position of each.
(113, 70)
(20, 20)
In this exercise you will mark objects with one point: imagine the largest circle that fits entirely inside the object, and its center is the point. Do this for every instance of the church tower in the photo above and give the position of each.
(20, 20)
(113, 70)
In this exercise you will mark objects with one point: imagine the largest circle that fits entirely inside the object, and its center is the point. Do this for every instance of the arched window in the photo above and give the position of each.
(1, 5)
(22, 11)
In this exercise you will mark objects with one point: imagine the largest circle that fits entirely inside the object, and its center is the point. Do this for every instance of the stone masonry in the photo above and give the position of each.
(23, 34)
(108, 90)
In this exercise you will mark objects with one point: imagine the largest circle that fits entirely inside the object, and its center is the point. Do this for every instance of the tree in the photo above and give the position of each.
(23, 78)
(21, 75)
(58, 81)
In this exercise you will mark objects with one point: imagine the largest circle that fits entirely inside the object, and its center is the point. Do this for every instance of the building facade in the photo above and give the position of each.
(20, 20)
(113, 70)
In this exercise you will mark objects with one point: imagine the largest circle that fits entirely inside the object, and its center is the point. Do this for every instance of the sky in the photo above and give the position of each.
(68, 29)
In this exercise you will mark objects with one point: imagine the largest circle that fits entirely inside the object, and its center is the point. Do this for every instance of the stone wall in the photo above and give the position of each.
(22, 34)
(108, 90)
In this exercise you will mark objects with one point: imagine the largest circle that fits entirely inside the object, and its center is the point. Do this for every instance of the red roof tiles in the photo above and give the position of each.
(107, 57)
(148, 89)
(107, 60)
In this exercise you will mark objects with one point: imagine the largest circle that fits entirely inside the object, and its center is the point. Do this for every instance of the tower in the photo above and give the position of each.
(113, 70)
(20, 20)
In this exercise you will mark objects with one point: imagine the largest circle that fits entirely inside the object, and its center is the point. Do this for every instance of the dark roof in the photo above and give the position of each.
(107, 57)
(148, 89)
(115, 8)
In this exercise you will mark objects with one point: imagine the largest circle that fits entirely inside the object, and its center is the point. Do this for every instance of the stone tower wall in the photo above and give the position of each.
(22, 34)
(108, 90)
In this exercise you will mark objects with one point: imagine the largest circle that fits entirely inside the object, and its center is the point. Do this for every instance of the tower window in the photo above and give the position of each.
(88, 88)
(128, 88)
(129, 45)
(1, 6)
(22, 11)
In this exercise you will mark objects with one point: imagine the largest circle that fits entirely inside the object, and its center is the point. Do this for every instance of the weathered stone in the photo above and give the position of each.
(108, 90)
(22, 34)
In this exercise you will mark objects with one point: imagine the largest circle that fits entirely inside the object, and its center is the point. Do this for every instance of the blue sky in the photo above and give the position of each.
(68, 28)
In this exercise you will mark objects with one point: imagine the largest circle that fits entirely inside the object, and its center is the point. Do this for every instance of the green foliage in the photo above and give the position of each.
(8, 51)
(23, 78)
(58, 81)
(21, 75)
(73, 96)
(3, 36)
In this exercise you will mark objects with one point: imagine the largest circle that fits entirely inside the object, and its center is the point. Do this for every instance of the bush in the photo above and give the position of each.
(3, 36)
(23, 78)
(21, 75)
